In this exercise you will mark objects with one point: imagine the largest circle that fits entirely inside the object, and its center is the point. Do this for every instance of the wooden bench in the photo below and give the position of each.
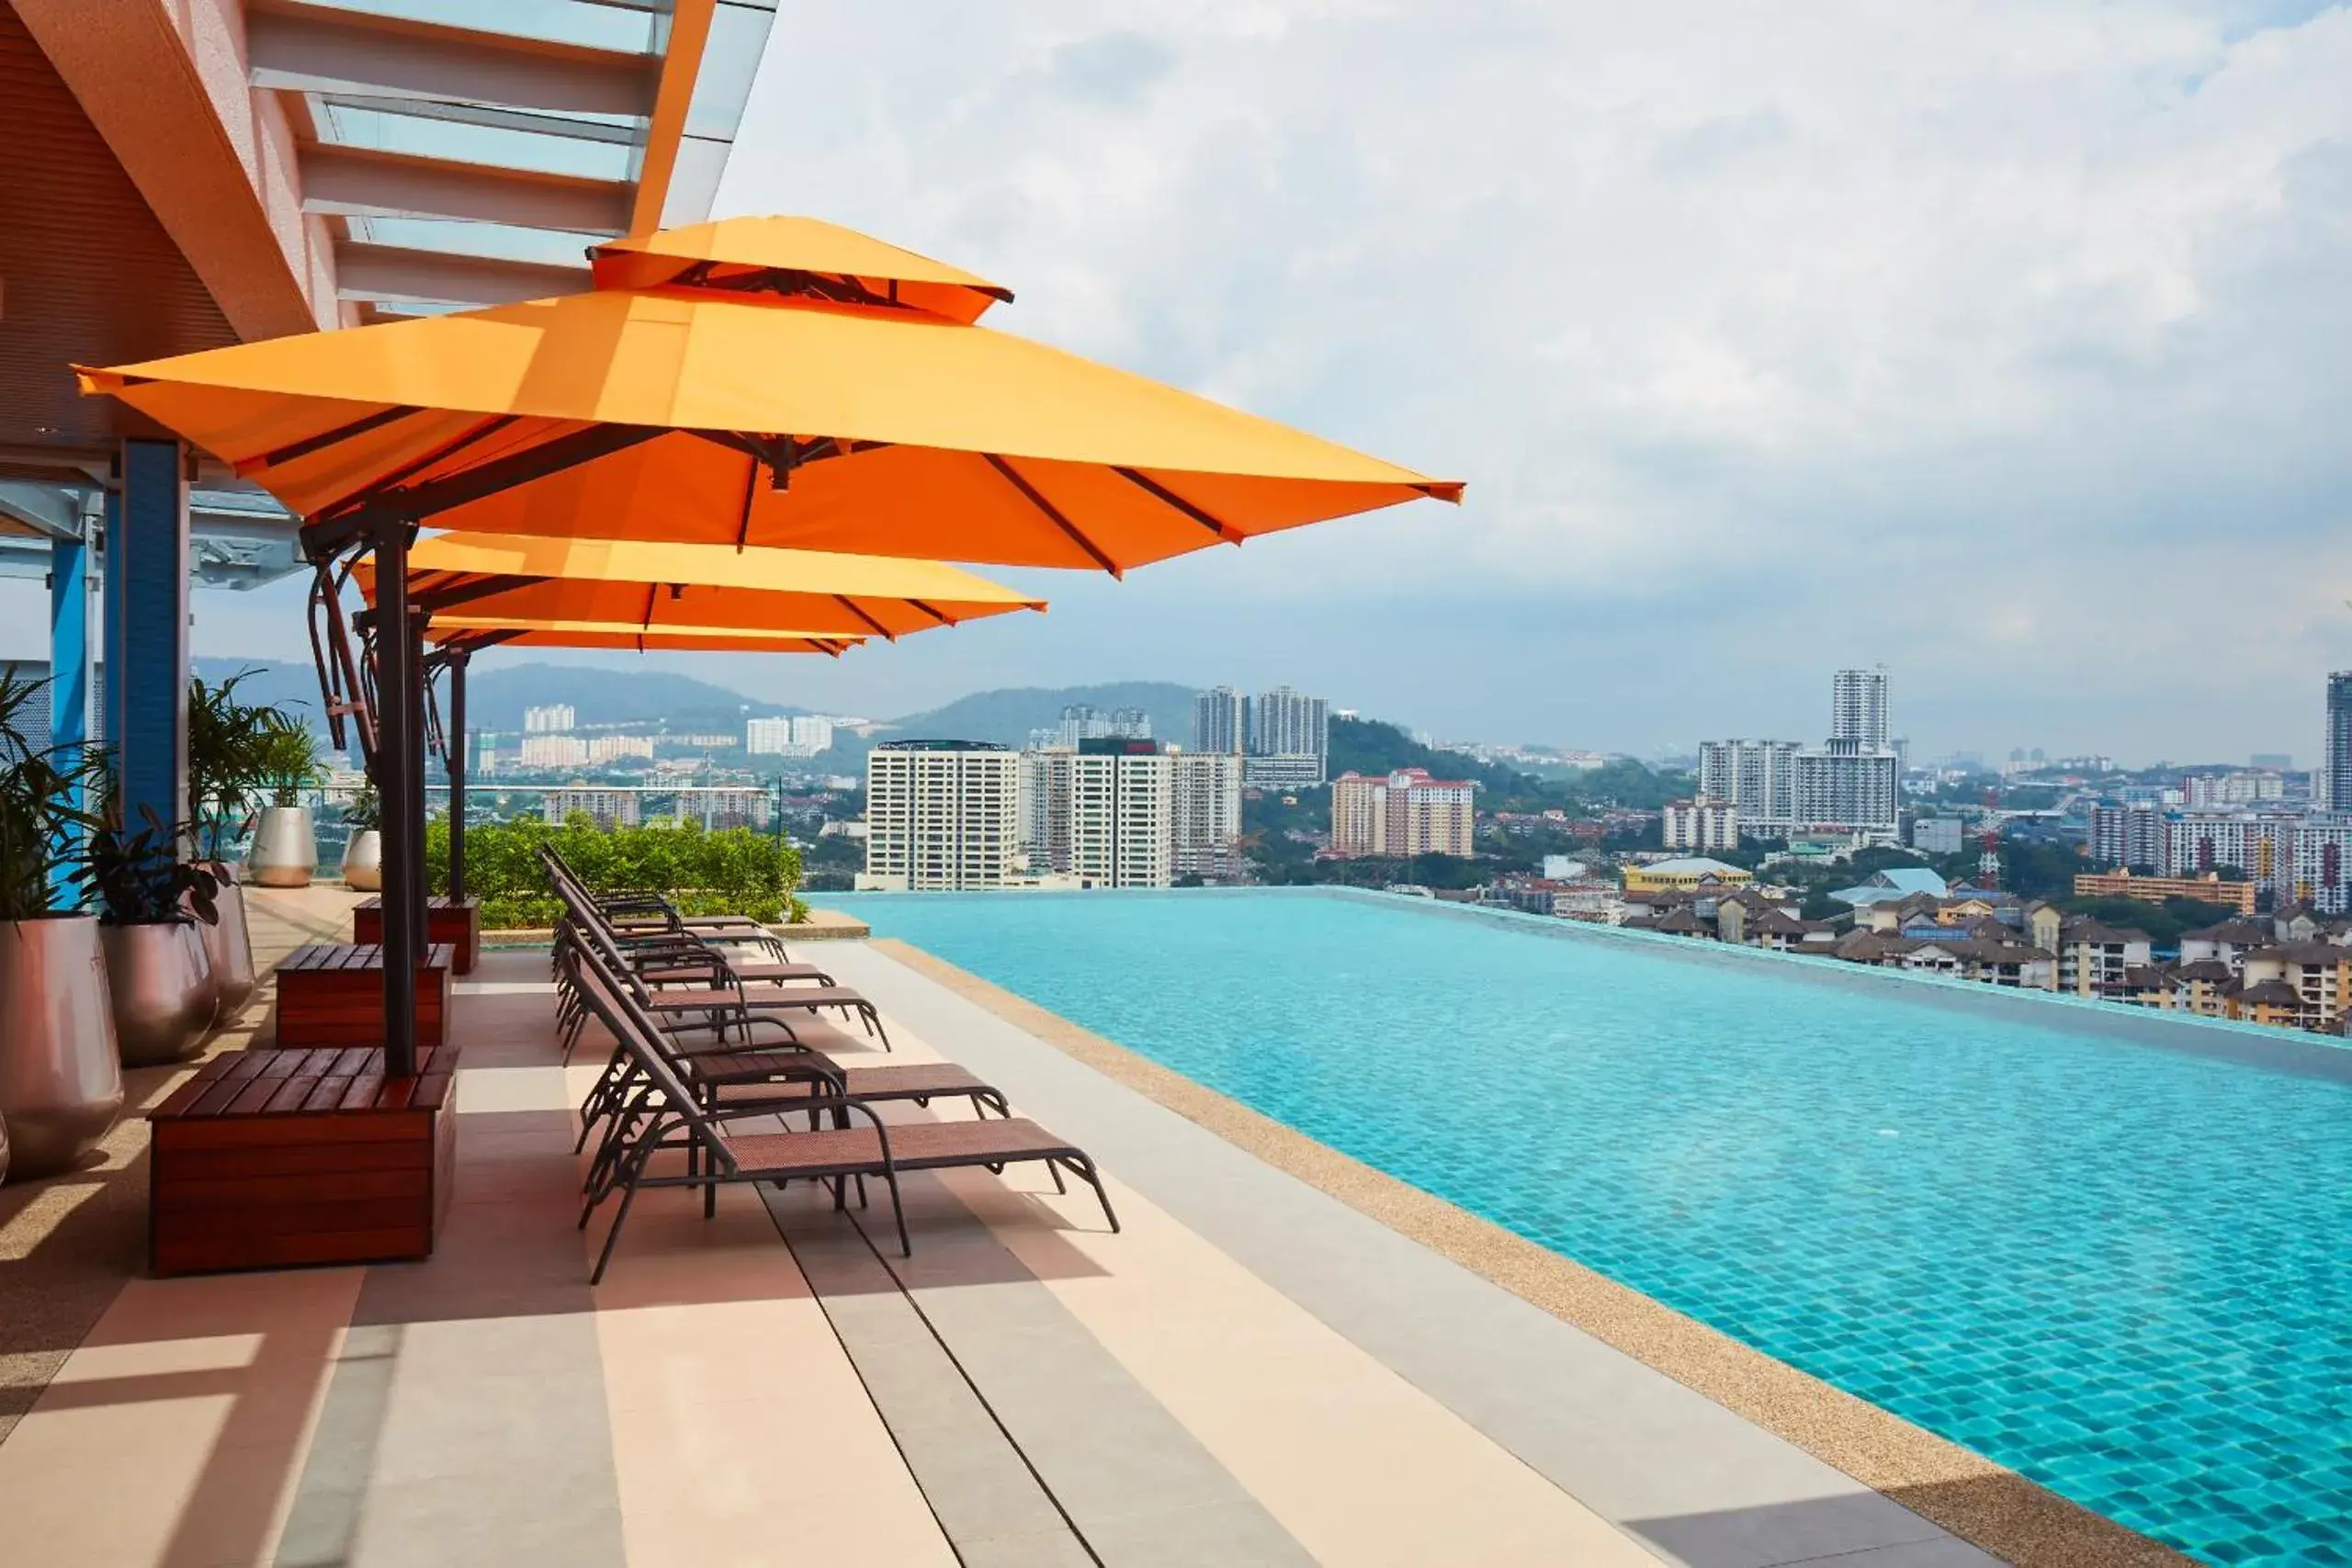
(332, 994)
(272, 1158)
(447, 919)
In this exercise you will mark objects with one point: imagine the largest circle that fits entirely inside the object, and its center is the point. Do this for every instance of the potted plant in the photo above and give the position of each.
(149, 904)
(286, 845)
(363, 854)
(225, 772)
(60, 1082)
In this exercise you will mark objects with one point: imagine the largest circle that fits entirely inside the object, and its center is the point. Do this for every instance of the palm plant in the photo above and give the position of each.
(225, 762)
(366, 812)
(140, 879)
(39, 816)
(290, 761)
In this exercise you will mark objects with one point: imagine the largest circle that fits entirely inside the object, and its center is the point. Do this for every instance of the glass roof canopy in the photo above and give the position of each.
(460, 153)
(464, 155)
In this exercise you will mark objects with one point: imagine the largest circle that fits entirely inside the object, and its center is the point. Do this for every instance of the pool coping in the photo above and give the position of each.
(1982, 1503)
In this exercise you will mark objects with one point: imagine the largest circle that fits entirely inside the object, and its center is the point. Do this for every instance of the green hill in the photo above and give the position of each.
(1008, 715)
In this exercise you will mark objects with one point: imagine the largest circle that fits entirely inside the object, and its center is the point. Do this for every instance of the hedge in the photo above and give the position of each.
(730, 871)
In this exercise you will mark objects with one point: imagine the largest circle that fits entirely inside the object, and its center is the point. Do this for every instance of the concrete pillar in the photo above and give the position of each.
(146, 642)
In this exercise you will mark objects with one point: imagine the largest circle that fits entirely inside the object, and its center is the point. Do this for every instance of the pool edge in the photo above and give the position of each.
(1985, 1504)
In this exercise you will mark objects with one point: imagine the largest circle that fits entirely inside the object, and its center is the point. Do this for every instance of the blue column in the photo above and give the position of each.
(147, 634)
(69, 669)
(109, 647)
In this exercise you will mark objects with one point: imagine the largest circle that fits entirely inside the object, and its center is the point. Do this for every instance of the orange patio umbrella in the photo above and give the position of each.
(473, 633)
(776, 382)
(635, 585)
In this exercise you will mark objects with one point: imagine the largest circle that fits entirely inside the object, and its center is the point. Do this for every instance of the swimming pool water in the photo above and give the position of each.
(2122, 1270)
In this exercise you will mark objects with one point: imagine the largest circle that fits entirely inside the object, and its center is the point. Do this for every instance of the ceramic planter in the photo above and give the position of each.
(363, 861)
(286, 848)
(60, 1080)
(228, 945)
(164, 996)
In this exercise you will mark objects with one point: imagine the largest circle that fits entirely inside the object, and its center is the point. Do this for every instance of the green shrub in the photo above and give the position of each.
(730, 871)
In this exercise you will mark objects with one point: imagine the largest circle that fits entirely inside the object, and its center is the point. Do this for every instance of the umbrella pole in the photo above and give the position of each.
(456, 743)
(395, 750)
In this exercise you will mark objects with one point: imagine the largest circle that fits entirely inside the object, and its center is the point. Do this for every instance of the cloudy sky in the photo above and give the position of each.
(2008, 343)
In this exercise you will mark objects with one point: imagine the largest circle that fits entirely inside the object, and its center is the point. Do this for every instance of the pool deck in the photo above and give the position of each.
(1277, 1361)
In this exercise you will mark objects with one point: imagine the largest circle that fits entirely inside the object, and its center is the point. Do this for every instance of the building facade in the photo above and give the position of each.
(939, 815)
(558, 751)
(613, 748)
(2339, 742)
(2323, 862)
(609, 808)
(1403, 813)
(1221, 720)
(556, 719)
(1859, 708)
(1758, 778)
(2130, 834)
(1701, 824)
(1120, 815)
(1205, 815)
(2260, 845)
(1847, 786)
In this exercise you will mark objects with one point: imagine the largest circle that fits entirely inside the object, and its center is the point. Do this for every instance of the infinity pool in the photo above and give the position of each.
(2122, 1270)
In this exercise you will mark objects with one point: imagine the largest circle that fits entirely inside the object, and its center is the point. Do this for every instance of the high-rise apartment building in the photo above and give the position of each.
(1403, 813)
(2128, 835)
(1847, 786)
(1857, 707)
(1701, 824)
(544, 750)
(613, 748)
(767, 737)
(812, 733)
(939, 815)
(1284, 723)
(608, 807)
(2339, 742)
(2260, 845)
(556, 719)
(1120, 804)
(1221, 720)
(1205, 815)
(1758, 778)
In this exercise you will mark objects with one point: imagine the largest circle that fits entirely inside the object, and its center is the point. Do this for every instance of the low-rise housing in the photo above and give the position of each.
(1685, 874)
(2207, 889)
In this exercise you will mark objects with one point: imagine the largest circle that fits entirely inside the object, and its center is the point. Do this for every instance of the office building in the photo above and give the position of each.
(545, 751)
(1858, 709)
(1205, 815)
(1221, 721)
(939, 815)
(1701, 824)
(609, 808)
(556, 719)
(1403, 813)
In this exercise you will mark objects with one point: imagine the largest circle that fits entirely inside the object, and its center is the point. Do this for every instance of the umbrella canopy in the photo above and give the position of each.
(639, 586)
(473, 632)
(786, 391)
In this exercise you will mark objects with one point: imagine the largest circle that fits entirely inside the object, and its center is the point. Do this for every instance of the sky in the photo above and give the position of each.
(2005, 344)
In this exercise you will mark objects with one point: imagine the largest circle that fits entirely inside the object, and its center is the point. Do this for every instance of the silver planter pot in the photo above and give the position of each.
(60, 1080)
(286, 849)
(363, 861)
(229, 946)
(164, 996)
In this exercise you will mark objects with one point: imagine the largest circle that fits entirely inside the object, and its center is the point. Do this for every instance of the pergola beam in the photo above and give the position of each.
(318, 49)
(389, 273)
(361, 182)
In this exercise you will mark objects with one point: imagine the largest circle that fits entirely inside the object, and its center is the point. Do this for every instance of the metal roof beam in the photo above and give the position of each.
(318, 49)
(390, 272)
(41, 508)
(361, 182)
(455, 113)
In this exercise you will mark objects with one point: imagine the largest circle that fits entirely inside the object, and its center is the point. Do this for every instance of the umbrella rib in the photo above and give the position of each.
(436, 496)
(327, 438)
(751, 494)
(885, 633)
(944, 620)
(1053, 514)
(1214, 523)
(460, 590)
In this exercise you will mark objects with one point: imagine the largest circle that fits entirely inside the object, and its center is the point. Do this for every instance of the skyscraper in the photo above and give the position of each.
(1290, 740)
(2339, 742)
(1221, 721)
(939, 814)
(1857, 707)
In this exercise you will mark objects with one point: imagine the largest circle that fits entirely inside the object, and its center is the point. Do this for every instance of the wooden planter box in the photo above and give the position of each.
(446, 921)
(271, 1158)
(332, 994)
